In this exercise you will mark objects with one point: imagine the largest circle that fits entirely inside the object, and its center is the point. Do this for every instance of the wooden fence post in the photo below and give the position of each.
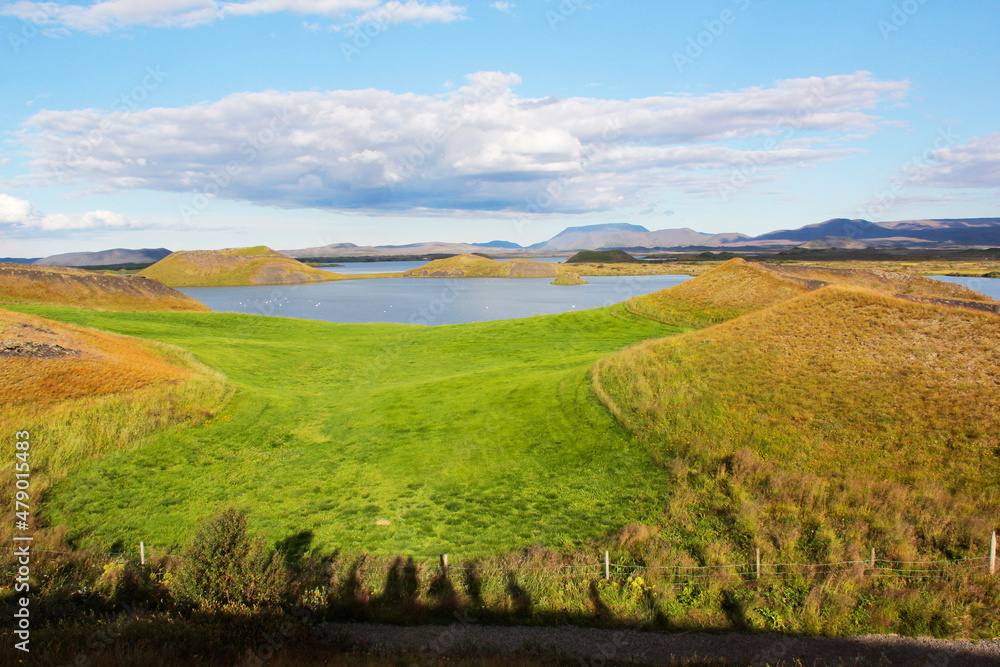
(993, 553)
(607, 566)
(142, 553)
(872, 564)
(758, 562)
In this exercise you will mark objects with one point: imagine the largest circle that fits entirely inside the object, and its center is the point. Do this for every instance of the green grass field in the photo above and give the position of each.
(468, 439)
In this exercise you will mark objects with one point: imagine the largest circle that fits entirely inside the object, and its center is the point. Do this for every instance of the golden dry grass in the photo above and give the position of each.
(63, 286)
(890, 282)
(476, 266)
(721, 293)
(836, 377)
(821, 426)
(737, 287)
(98, 363)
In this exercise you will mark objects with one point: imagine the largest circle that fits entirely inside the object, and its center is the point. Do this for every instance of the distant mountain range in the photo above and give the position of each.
(105, 257)
(835, 233)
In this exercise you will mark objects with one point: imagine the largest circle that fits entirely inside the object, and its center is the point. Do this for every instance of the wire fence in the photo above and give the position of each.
(677, 575)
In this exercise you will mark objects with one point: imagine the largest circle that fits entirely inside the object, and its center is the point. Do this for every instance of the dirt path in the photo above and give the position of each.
(593, 646)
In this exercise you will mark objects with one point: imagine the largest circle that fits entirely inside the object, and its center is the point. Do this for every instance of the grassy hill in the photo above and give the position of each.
(258, 265)
(63, 286)
(569, 279)
(737, 287)
(477, 266)
(826, 423)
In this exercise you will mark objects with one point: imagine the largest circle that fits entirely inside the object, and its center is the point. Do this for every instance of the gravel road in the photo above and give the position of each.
(594, 646)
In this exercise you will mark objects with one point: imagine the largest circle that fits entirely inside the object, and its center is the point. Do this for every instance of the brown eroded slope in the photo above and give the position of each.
(63, 286)
(45, 361)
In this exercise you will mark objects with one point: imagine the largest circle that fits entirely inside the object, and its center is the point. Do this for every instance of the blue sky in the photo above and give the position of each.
(207, 124)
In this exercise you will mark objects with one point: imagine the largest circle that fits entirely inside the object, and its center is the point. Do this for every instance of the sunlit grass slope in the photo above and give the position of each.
(64, 286)
(721, 293)
(258, 265)
(737, 287)
(822, 424)
(82, 394)
(467, 439)
(45, 361)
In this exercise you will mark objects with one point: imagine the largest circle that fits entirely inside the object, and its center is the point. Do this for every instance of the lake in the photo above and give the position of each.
(988, 286)
(428, 300)
(447, 300)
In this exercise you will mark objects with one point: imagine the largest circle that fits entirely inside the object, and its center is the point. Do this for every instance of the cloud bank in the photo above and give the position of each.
(479, 148)
(975, 164)
(110, 15)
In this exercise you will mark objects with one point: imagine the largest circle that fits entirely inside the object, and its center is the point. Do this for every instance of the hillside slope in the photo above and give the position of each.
(476, 266)
(738, 287)
(46, 361)
(258, 265)
(879, 376)
(829, 423)
(62, 286)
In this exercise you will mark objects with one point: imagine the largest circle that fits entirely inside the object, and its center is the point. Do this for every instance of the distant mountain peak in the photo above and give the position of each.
(606, 227)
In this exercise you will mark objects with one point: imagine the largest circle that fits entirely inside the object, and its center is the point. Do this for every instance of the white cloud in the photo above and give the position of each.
(15, 210)
(116, 14)
(109, 15)
(21, 217)
(479, 148)
(394, 13)
(505, 7)
(975, 164)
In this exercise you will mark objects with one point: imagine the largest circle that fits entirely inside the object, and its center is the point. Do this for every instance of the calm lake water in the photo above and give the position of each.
(428, 300)
(447, 300)
(988, 286)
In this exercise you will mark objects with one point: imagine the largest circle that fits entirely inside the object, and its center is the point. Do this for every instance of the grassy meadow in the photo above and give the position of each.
(466, 439)
(748, 409)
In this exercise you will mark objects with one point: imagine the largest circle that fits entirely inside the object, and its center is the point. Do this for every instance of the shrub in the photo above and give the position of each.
(225, 568)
